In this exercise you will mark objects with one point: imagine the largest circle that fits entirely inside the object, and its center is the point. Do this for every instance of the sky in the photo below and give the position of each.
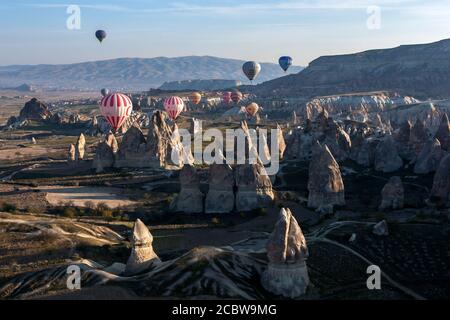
(36, 31)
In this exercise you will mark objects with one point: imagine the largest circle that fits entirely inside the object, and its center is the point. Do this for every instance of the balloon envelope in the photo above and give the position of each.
(226, 97)
(195, 97)
(236, 96)
(252, 109)
(100, 35)
(173, 106)
(285, 62)
(105, 92)
(116, 108)
(251, 69)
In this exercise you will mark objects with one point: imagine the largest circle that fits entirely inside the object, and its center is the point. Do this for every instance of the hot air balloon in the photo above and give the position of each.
(252, 109)
(195, 97)
(105, 92)
(173, 106)
(251, 69)
(226, 97)
(285, 62)
(100, 35)
(236, 96)
(116, 108)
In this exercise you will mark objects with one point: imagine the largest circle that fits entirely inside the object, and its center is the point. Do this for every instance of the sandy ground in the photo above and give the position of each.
(80, 195)
(32, 151)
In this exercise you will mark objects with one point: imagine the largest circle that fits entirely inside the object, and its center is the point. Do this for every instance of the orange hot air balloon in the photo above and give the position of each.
(252, 109)
(195, 97)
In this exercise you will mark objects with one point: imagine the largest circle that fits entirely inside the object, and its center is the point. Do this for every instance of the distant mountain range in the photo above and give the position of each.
(422, 71)
(132, 73)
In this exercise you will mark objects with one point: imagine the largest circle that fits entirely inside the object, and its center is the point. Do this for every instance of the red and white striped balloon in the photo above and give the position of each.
(116, 108)
(173, 106)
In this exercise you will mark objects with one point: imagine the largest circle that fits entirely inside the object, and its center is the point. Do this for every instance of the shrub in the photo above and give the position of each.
(70, 212)
(89, 207)
(34, 209)
(103, 210)
(8, 207)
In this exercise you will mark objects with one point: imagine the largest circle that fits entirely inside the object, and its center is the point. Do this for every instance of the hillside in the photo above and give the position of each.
(422, 71)
(131, 73)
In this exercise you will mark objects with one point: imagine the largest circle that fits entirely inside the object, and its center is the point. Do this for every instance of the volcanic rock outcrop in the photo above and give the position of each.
(440, 193)
(287, 273)
(392, 194)
(190, 198)
(429, 158)
(142, 256)
(35, 110)
(220, 197)
(386, 156)
(325, 185)
(254, 188)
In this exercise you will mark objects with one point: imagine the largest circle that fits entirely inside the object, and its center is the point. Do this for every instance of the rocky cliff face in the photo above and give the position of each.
(356, 104)
(422, 71)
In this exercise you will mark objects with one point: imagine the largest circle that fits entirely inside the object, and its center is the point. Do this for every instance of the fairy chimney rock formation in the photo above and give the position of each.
(142, 255)
(418, 137)
(220, 197)
(254, 188)
(131, 149)
(80, 147)
(104, 157)
(71, 153)
(443, 133)
(440, 193)
(281, 142)
(190, 198)
(287, 273)
(429, 158)
(112, 142)
(392, 194)
(325, 185)
(386, 156)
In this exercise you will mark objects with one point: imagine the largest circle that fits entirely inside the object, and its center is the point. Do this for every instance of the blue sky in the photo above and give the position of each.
(34, 32)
